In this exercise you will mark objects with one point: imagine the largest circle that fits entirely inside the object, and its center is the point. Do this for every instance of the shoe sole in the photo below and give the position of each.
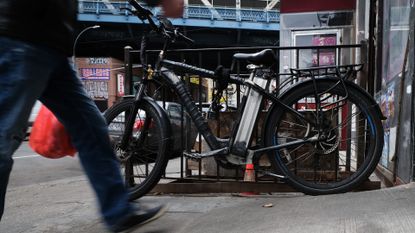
(161, 212)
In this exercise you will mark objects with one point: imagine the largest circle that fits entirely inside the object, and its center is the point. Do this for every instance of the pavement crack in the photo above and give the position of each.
(69, 202)
(186, 212)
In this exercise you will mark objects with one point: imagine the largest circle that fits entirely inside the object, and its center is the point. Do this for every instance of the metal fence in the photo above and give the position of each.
(179, 168)
(190, 11)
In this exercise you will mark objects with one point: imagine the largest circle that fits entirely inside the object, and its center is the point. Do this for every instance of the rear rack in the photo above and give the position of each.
(343, 71)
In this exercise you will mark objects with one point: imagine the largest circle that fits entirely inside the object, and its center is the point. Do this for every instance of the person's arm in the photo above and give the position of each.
(171, 8)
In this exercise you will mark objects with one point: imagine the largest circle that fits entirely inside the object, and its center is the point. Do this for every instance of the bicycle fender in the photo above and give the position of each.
(128, 96)
(347, 83)
(364, 92)
(153, 103)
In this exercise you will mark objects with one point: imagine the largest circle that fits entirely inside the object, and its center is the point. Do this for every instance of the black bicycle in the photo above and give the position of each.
(323, 134)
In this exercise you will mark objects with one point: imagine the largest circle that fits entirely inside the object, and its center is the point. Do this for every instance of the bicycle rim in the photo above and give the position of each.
(144, 160)
(350, 151)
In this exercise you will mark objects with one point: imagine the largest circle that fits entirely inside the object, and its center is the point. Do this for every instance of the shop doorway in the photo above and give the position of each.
(316, 57)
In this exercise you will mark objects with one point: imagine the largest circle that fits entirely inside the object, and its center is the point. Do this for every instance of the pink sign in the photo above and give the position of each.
(324, 40)
(326, 57)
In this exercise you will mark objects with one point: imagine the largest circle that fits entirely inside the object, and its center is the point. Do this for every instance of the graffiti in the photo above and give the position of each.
(96, 89)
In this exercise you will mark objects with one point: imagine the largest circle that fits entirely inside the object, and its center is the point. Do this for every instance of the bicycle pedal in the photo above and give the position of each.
(191, 155)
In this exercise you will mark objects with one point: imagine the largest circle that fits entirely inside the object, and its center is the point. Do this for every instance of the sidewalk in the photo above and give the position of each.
(69, 206)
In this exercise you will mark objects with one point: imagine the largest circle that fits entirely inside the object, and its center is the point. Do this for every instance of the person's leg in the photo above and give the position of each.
(67, 99)
(24, 72)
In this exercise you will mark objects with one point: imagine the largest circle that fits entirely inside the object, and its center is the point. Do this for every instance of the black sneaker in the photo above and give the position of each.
(138, 219)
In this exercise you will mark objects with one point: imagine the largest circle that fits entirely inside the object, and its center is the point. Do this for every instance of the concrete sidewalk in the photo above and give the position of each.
(68, 206)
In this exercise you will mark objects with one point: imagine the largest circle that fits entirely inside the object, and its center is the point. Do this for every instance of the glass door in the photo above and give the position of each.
(307, 58)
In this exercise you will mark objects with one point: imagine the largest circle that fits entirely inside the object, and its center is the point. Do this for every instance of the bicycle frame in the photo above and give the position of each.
(256, 84)
(318, 122)
(236, 148)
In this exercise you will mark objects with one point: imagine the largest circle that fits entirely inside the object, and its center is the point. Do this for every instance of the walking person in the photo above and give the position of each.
(36, 39)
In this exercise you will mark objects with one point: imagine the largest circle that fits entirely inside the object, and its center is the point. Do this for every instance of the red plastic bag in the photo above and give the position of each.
(49, 137)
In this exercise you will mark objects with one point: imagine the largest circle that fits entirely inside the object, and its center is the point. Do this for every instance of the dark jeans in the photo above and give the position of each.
(29, 72)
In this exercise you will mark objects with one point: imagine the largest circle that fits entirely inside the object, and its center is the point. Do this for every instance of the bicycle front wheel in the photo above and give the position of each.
(146, 157)
(351, 125)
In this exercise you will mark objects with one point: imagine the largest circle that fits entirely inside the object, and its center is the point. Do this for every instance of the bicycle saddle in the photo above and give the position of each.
(265, 57)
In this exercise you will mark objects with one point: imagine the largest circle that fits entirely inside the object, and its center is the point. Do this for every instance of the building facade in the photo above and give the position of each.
(385, 31)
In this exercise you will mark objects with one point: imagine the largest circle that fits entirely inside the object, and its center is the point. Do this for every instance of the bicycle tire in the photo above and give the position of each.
(140, 156)
(315, 173)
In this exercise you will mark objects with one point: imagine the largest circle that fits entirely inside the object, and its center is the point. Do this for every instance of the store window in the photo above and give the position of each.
(396, 28)
(395, 39)
(316, 57)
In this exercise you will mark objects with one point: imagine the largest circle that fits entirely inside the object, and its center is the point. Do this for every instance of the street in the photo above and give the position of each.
(30, 168)
(48, 196)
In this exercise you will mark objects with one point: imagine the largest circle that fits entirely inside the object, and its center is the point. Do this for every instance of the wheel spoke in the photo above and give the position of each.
(349, 143)
(140, 161)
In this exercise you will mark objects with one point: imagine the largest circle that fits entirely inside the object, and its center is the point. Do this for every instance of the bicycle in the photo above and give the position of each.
(322, 135)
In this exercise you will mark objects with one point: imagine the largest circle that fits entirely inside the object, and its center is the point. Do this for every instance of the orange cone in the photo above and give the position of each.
(249, 176)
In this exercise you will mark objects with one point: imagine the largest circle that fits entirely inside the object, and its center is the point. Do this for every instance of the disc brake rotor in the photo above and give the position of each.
(330, 144)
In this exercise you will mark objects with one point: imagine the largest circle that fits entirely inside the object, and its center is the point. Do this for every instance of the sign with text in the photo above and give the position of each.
(94, 73)
(96, 89)
(120, 85)
(98, 60)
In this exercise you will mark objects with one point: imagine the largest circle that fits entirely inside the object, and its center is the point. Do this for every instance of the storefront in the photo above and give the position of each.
(386, 28)
(394, 88)
(316, 23)
(103, 79)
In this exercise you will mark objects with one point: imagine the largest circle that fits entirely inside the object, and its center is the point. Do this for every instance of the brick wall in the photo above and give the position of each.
(99, 76)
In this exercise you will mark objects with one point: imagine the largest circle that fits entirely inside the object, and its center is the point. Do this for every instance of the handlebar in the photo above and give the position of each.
(142, 13)
(141, 10)
(145, 14)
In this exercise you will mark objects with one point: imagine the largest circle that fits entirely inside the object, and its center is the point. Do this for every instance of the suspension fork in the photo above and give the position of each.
(129, 124)
(190, 106)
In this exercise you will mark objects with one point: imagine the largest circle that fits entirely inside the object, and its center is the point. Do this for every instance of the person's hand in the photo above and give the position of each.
(172, 8)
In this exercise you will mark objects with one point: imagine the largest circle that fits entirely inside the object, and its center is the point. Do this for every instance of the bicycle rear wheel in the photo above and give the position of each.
(146, 157)
(354, 137)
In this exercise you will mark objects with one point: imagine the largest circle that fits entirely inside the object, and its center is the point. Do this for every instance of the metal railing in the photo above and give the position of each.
(190, 12)
(222, 56)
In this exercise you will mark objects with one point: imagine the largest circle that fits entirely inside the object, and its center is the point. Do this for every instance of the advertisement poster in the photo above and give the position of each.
(316, 57)
(324, 57)
(97, 90)
(94, 73)
(381, 100)
(386, 100)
